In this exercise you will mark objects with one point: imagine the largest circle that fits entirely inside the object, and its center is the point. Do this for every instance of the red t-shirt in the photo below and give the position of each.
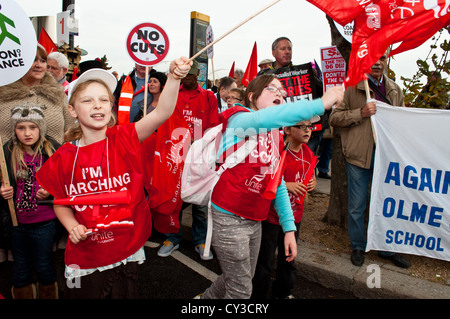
(113, 164)
(199, 108)
(297, 166)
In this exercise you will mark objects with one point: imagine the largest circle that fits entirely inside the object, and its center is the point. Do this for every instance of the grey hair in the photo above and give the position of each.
(60, 58)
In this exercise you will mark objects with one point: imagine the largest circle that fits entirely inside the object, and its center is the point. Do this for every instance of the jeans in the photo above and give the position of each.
(32, 248)
(199, 226)
(358, 186)
(323, 166)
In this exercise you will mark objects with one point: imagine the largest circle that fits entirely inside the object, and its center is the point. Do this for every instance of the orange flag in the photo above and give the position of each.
(252, 68)
(47, 42)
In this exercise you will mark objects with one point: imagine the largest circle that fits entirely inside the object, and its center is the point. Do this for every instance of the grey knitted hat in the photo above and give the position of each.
(28, 113)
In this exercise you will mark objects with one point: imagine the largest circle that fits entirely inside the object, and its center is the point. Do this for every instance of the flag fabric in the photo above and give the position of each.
(47, 42)
(410, 201)
(163, 163)
(74, 74)
(252, 67)
(342, 11)
(231, 74)
(380, 25)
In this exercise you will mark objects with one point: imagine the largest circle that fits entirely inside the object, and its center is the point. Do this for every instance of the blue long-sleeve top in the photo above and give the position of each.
(244, 124)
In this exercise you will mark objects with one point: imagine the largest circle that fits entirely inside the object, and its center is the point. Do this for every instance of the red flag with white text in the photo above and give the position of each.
(342, 11)
(389, 22)
(164, 154)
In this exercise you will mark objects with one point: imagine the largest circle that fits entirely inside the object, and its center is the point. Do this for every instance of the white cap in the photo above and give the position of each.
(315, 119)
(94, 74)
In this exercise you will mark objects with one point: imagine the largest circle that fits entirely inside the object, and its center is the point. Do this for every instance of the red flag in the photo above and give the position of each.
(252, 68)
(164, 161)
(74, 74)
(47, 42)
(381, 25)
(342, 11)
(231, 74)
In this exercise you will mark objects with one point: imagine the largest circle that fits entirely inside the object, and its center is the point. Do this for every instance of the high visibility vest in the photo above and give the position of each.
(125, 99)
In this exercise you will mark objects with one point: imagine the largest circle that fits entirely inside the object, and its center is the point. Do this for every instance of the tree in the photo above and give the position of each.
(435, 93)
(337, 208)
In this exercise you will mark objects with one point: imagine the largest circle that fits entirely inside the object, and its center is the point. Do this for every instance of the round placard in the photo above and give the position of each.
(147, 44)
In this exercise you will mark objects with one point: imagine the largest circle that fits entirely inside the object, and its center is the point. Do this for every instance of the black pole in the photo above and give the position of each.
(66, 6)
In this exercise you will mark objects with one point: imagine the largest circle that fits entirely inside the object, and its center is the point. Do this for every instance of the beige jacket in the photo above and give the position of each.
(356, 132)
(48, 93)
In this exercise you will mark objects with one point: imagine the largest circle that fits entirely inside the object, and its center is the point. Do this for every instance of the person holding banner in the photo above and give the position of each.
(300, 179)
(358, 146)
(238, 202)
(32, 239)
(105, 241)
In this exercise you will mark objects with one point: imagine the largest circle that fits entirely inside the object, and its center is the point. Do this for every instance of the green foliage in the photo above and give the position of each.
(435, 69)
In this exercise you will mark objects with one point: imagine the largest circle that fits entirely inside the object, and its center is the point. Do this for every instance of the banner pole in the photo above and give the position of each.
(233, 29)
(366, 87)
(5, 179)
(145, 91)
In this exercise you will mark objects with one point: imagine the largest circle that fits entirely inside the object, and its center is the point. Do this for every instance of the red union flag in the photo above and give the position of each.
(252, 67)
(342, 11)
(164, 162)
(388, 22)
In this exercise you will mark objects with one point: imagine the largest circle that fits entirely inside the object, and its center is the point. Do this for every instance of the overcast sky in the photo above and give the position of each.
(104, 26)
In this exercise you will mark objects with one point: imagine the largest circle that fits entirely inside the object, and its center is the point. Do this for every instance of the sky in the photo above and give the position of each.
(104, 26)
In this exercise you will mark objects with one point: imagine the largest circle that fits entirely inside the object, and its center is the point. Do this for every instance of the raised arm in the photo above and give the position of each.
(167, 101)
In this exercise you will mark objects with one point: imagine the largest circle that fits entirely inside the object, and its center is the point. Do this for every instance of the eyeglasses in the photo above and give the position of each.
(233, 98)
(275, 89)
(304, 127)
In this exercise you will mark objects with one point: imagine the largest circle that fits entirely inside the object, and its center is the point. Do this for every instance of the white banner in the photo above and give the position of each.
(410, 197)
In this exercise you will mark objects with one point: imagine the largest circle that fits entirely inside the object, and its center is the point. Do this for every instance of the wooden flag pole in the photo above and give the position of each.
(5, 178)
(145, 91)
(233, 29)
(366, 87)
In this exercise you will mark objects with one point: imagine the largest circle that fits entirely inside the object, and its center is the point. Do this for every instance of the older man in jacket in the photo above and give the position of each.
(358, 146)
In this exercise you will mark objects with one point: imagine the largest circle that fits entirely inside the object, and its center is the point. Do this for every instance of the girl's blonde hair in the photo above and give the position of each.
(41, 147)
(75, 133)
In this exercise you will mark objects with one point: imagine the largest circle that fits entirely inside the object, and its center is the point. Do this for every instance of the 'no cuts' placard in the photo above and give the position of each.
(147, 44)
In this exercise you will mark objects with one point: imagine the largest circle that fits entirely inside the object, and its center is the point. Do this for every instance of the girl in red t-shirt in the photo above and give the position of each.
(104, 158)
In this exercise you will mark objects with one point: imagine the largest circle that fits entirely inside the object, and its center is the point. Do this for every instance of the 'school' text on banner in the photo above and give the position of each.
(410, 197)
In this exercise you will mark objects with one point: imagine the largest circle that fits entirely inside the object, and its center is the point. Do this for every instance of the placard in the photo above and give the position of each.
(18, 42)
(147, 44)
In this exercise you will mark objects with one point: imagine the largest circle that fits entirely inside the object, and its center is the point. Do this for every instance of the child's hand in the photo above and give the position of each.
(179, 68)
(7, 192)
(78, 233)
(298, 189)
(312, 184)
(42, 194)
(333, 96)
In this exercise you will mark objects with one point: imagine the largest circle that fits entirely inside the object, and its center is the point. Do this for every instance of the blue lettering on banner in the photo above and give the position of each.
(418, 214)
(424, 179)
(400, 237)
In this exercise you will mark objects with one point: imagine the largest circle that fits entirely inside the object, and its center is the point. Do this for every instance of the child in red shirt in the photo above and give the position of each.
(105, 158)
(299, 160)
